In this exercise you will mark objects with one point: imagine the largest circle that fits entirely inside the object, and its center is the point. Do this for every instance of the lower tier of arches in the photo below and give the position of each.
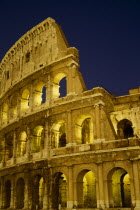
(83, 186)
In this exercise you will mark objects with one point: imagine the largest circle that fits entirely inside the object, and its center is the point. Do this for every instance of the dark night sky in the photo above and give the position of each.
(106, 33)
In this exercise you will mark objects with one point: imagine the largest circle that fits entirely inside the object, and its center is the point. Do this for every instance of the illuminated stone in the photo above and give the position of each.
(81, 150)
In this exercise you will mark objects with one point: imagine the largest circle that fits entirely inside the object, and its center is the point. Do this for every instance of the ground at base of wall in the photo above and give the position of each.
(78, 209)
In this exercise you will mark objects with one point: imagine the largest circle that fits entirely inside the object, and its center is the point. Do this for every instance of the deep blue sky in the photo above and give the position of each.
(106, 33)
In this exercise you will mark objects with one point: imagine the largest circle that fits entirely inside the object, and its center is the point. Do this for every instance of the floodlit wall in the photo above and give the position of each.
(76, 151)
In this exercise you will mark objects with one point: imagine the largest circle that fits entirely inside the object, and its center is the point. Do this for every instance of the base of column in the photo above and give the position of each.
(100, 204)
(70, 205)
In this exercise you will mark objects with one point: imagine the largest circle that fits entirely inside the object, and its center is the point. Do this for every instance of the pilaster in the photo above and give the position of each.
(100, 201)
(70, 202)
(136, 184)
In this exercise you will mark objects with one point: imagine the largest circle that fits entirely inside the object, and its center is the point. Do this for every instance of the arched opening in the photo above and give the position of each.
(8, 146)
(125, 129)
(37, 192)
(2, 147)
(25, 100)
(59, 86)
(86, 189)
(84, 130)
(20, 187)
(38, 139)
(13, 106)
(59, 135)
(7, 194)
(4, 113)
(44, 93)
(39, 96)
(21, 144)
(62, 87)
(41, 192)
(59, 196)
(119, 190)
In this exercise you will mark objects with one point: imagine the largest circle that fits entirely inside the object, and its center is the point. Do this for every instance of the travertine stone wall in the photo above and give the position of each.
(49, 143)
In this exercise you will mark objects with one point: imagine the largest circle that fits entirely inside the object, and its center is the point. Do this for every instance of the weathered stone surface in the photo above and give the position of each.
(77, 151)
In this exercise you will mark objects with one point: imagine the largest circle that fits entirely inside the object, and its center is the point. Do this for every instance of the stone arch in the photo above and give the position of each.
(119, 189)
(86, 189)
(21, 144)
(7, 194)
(39, 95)
(4, 113)
(13, 106)
(59, 191)
(20, 193)
(125, 129)
(25, 97)
(38, 138)
(56, 85)
(2, 147)
(9, 145)
(37, 192)
(59, 134)
(84, 129)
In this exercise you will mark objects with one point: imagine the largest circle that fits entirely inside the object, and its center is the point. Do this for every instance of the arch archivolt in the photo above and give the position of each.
(85, 167)
(62, 170)
(119, 116)
(84, 128)
(111, 167)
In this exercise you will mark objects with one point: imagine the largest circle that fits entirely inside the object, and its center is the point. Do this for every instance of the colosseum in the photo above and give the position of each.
(63, 146)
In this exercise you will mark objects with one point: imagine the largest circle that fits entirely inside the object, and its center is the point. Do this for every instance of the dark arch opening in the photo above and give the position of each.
(20, 186)
(59, 197)
(37, 192)
(62, 136)
(63, 87)
(7, 194)
(86, 131)
(119, 188)
(125, 129)
(43, 94)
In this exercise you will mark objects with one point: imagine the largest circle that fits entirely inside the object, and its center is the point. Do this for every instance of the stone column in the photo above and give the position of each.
(50, 185)
(75, 202)
(100, 202)
(79, 192)
(110, 193)
(136, 184)
(46, 190)
(70, 201)
(1, 192)
(1, 114)
(28, 144)
(106, 193)
(97, 119)
(18, 104)
(14, 147)
(102, 121)
(31, 107)
(69, 129)
(2, 198)
(70, 83)
(26, 192)
(48, 90)
(13, 196)
(46, 140)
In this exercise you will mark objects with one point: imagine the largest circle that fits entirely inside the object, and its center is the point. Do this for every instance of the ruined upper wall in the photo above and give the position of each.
(42, 45)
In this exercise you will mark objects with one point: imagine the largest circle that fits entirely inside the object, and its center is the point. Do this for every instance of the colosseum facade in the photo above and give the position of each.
(76, 151)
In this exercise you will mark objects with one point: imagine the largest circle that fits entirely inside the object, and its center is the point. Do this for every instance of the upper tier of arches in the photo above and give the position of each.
(43, 45)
